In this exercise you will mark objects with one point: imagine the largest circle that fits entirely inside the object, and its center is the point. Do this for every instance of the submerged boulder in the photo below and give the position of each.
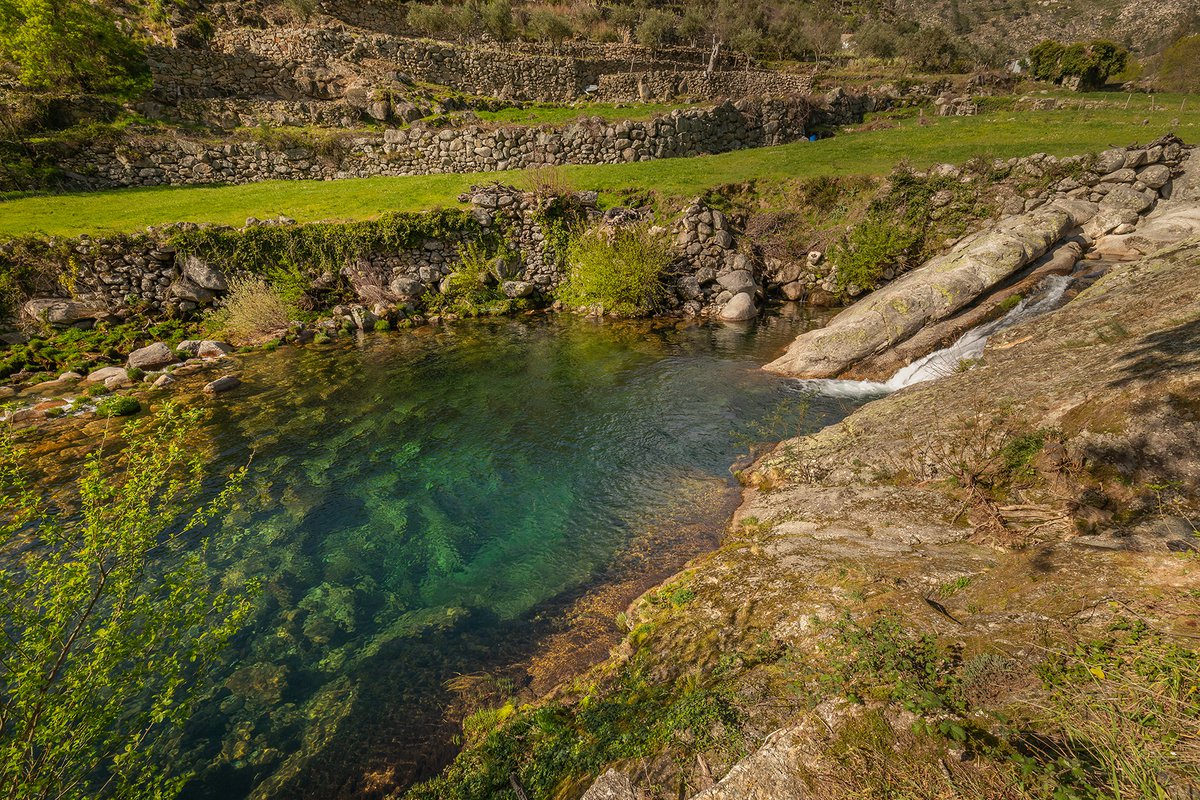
(931, 292)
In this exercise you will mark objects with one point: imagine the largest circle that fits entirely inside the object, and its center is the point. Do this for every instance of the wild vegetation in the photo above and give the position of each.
(112, 622)
(252, 309)
(616, 271)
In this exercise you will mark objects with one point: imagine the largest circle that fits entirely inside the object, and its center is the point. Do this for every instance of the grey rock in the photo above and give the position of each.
(203, 275)
(1120, 176)
(223, 384)
(188, 290)
(1155, 176)
(612, 785)
(153, 356)
(162, 381)
(741, 280)
(62, 312)
(931, 292)
(1110, 161)
(793, 291)
(363, 318)
(1125, 197)
(104, 373)
(213, 349)
(741, 307)
(517, 289)
(404, 286)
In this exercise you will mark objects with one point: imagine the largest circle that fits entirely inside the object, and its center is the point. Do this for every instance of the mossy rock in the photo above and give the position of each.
(117, 406)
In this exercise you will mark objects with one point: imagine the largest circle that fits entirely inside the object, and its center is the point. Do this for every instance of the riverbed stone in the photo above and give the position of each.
(740, 308)
(223, 384)
(210, 348)
(154, 356)
(104, 373)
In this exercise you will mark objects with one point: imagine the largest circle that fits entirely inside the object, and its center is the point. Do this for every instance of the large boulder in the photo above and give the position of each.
(931, 292)
(740, 308)
(155, 356)
(63, 312)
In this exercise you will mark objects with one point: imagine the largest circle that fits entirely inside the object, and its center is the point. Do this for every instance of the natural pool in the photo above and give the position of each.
(443, 503)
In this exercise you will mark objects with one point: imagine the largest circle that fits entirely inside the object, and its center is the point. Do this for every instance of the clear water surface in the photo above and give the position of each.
(423, 506)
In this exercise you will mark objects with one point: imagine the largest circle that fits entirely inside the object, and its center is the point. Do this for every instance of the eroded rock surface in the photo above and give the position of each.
(931, 293)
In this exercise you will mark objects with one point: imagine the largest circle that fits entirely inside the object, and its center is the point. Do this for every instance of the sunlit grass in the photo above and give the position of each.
(1002, 134)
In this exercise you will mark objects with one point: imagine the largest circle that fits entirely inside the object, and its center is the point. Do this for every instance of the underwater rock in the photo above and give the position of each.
(223, 384)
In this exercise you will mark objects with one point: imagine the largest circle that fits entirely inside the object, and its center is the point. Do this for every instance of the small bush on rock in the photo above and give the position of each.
(621, 272)
(117, 406)
(252, 309)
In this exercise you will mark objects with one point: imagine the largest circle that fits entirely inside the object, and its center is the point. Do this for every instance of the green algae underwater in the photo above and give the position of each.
(428, 505)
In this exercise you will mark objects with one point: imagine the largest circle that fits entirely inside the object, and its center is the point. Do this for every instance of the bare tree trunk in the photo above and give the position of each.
(712, 58)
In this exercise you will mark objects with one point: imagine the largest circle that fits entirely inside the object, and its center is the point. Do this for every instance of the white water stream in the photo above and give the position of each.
(947, 361)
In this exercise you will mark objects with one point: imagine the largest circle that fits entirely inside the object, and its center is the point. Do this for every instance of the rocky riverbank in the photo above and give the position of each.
(974, 587)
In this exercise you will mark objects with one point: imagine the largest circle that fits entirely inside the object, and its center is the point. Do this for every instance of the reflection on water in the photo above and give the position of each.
(420, 504)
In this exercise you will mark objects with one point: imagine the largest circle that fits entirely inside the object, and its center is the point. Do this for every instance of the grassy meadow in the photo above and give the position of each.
(919, 141)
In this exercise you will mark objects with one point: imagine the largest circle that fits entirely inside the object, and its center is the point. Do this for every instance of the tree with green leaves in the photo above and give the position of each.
(71, 44)
(111, 621)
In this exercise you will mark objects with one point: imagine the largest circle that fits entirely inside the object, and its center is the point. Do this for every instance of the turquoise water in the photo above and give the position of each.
(426, 505)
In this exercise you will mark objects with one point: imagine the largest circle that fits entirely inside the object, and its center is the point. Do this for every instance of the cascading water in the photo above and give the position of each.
(947, 361)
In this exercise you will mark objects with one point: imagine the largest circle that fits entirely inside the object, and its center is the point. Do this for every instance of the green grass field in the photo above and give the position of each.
(1002, 135)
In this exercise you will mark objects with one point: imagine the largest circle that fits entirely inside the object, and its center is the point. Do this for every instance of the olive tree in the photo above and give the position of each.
(111, 621)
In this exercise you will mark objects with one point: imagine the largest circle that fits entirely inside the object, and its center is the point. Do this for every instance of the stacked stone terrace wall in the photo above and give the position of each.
(420, 150)
(324, 63)
(661, 85)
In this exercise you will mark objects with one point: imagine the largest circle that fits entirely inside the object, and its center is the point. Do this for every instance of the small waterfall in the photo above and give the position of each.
(946, 361)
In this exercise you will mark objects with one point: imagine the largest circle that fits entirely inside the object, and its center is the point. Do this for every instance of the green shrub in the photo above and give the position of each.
(99, 390)
(861, 257)
(620, 272)
(322, 337)
(117, 406)
(382, 325)
(135, 374)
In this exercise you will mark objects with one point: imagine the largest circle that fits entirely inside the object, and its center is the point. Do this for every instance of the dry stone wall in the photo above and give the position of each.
(421, 150)
(325, 63)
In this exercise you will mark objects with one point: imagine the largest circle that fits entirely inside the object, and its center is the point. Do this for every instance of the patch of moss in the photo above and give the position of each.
(117, 406)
